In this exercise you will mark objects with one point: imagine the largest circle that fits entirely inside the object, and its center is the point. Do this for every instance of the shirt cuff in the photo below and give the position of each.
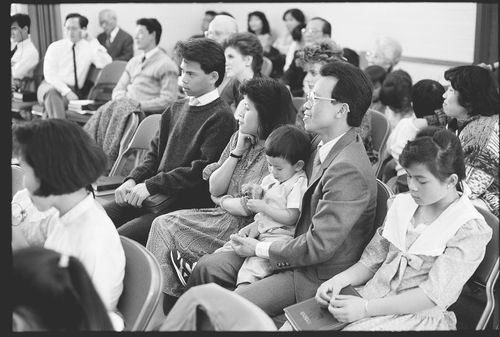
(262, 249)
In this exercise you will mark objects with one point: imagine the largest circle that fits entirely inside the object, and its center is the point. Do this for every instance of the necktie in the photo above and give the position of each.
(108, 41)
(143, 58)
(316, 166)
(13, 51)
(74, 69)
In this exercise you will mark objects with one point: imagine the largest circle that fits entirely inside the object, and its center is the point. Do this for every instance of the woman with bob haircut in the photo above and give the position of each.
(180, 238)
(244, 57)
(473, 100)
(56, 210)
(53, 292)
(417, 263)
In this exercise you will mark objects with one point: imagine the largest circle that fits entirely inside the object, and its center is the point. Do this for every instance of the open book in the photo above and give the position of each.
(309, 315)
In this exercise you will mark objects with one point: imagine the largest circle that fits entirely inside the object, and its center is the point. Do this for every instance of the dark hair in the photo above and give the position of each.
(427, 97)
(439, 150)
(288, 142)
(23, 20)
(296, 14)
(208, 53)
(321, 51)
(82, 20)
(273, 102)
(297, 32)
(152, 25)
(327, 27)
(351, 56)
(265, 23)
(61, 297)
(476, 90)
(353, 87)
(63, 156)
(211, 13)
(376, 74)
(225, 13)
(396, 91)
(247, 44)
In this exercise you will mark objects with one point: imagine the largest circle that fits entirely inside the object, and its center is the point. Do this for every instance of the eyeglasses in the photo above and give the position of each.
(310, 30)
(311, 97)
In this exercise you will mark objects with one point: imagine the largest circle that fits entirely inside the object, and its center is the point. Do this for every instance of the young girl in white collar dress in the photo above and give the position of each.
(432, 241)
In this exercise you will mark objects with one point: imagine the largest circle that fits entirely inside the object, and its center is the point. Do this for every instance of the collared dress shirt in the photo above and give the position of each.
(24, 59)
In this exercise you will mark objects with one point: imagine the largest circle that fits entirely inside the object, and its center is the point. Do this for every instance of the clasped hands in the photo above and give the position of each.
(345, 308)
(131, 193)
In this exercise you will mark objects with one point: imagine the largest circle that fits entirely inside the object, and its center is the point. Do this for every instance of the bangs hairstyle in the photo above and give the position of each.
(290, 143)
(439, 150)
(62, 298)
(263, 19)
(321, 51)
(63, 156)
(353, 87)
(296, 14)
(396, 91)
(22, 20)
(476, 90)
(208, 53)
(427, 97)
(273, 103)
(247, 44)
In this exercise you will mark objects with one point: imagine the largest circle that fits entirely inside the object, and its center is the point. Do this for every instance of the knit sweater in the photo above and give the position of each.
(190, 138)
(152, 83)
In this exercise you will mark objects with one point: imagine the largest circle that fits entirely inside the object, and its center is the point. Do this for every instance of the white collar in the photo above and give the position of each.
(289, 182)
(324, 149)
(432, 241)
(75, 213)
(204, 99)
(113, 33)
(151, 52)
(24, 42)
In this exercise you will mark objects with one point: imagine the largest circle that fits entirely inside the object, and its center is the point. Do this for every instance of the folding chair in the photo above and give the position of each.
(383, 194)
(476, 305)
(142, 286)
(139, 143)
(380, 132)
(267, 66)
(17, 179)
(29, 84)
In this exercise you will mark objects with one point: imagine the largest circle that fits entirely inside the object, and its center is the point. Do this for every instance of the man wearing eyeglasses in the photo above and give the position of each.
(317, 28)
(338, 207)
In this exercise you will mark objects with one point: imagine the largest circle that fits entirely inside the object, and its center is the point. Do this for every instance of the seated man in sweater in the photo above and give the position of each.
(149, 78)
(193, 132)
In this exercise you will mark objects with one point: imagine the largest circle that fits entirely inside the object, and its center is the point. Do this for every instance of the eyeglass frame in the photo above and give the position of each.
(310, 30)
(311, 97)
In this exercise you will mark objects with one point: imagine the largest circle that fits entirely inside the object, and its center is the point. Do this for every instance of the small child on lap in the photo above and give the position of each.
(277, 200)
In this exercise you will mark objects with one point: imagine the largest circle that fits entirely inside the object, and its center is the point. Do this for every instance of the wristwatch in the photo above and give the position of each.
(235, 156)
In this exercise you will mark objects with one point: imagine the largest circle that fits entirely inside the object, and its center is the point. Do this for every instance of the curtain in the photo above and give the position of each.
(45, 25)
(486, 45)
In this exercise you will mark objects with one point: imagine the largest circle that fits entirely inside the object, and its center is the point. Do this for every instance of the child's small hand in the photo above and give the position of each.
(254, 232)
(256, 205)
(253, 191)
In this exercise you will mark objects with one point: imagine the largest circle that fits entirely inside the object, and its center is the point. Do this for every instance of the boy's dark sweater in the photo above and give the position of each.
(189, 138)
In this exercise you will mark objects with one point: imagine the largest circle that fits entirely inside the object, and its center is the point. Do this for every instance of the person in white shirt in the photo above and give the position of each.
(23, 56)
(62, 83)
(56, 210)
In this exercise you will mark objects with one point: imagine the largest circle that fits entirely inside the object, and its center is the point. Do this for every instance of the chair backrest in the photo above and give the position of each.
(140, 141)
(107, 80)
(142, 286)
(383, 194)
(267, 66)
(17, 179)
(380, 129)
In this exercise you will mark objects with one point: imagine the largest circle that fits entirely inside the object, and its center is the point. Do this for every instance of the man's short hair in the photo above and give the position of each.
(83, 21)
(208, 53)
(22, 20)
(211, 13)
(152, 25)
(353, 87)
(327, 27)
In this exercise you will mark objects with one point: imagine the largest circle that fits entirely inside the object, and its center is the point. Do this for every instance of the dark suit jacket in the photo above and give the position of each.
(122, 47)
(336, 222)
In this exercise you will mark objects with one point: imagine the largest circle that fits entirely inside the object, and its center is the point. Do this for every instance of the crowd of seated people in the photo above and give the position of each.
(274, 202)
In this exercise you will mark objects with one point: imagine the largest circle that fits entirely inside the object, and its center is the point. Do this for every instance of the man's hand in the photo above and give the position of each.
(71, 96)
(137, 195)
(243, 246)
(122, 191)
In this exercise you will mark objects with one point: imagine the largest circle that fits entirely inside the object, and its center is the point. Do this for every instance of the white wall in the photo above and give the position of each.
(443, 31)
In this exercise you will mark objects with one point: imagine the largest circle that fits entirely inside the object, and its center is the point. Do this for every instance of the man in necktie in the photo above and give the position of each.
(24, 56)
(118, 43)
(66, 65)
(338, 208)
